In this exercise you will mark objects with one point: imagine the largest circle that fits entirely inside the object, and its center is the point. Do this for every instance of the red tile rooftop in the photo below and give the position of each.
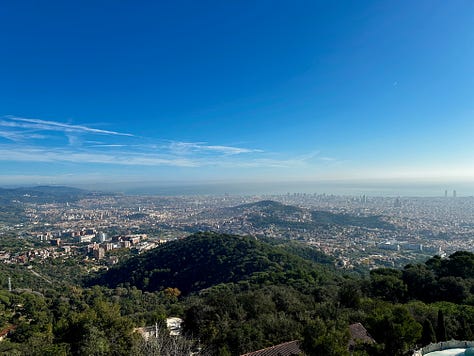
(289, 348)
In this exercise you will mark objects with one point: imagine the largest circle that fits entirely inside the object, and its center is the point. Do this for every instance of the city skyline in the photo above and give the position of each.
(366, 92)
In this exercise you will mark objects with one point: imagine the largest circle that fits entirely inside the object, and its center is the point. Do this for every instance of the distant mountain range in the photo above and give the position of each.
(12, 200)
(43, 194)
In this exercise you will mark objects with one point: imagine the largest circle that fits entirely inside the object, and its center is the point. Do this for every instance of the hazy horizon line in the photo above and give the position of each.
(219, 187)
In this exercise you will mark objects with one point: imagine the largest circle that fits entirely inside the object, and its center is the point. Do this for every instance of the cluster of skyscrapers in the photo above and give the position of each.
(446, 193)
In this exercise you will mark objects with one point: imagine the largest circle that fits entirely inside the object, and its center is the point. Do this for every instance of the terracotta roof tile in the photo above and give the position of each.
(289, 348)
(359, 333)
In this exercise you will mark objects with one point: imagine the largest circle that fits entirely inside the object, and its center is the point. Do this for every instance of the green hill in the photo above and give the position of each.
(43, 194)
(13, 200)
(207, 259)
(267, 212)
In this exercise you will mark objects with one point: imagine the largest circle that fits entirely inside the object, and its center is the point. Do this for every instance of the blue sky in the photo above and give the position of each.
(248, 91)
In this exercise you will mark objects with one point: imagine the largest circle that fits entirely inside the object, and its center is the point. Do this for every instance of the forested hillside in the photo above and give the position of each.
(237, 294)
(267, 212)
(207, 259)
(43, 194)
(13, 200)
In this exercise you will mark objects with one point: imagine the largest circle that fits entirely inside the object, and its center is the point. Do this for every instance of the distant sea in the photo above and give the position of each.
(336, 188)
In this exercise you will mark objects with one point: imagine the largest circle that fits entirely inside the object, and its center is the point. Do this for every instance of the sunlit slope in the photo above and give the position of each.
(207, 259)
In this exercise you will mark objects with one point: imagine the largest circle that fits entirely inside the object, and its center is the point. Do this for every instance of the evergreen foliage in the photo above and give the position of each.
(267, 212)
(207, 259)
(236, 295)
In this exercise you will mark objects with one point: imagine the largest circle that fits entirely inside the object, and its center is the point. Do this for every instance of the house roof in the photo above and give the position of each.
(359, 334)
(289, 348)
(4, 332)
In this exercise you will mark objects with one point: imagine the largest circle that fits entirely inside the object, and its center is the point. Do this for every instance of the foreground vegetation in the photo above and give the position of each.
(238, 294)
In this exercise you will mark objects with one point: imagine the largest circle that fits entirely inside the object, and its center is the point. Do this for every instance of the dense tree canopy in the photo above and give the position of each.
(236, 295)
(206, 259)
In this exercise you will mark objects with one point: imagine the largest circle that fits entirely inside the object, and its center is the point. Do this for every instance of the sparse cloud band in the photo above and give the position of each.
(36, 140)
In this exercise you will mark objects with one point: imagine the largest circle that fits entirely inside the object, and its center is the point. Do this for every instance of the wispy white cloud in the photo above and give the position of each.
(80, 144)
(229, 150)
(328, 159)
(129, 159)
(187, 147)
(46, 125)
(18, 136)
(108, 146)
(117, 156)
(10, 135)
